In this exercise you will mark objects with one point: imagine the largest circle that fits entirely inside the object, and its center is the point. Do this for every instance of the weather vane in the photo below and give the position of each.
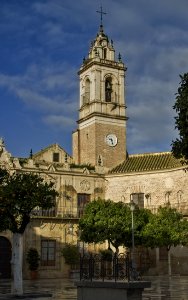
(102, 13)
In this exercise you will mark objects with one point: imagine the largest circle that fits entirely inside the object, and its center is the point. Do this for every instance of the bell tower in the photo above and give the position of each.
(101, 135)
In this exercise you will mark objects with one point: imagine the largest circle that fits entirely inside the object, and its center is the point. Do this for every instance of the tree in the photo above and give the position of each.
(166, 228)
(94, 225)
(111, 221)
(180, 146)
(20, 193)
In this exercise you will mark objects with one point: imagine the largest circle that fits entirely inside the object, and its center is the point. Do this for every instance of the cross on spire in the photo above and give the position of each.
(102, 13)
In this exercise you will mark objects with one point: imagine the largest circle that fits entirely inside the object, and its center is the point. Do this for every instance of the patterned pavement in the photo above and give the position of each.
(163, 288)
(167, 288)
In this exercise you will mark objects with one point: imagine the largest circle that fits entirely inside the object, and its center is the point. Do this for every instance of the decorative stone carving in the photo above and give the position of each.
(5, 156)
(16, 163)
(85, 185)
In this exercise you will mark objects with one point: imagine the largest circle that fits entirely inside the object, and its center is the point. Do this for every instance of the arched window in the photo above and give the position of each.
(108, 89)
(167, 197)
(87, 91)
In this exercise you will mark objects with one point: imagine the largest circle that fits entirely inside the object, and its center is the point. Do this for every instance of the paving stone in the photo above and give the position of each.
(163, 288)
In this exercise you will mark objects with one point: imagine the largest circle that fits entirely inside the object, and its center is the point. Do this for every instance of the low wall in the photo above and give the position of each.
(109, 290)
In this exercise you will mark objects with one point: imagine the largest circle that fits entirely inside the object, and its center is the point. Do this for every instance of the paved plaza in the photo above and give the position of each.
(163, 288)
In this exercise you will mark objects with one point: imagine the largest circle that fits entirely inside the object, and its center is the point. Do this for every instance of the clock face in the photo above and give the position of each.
(111, 140)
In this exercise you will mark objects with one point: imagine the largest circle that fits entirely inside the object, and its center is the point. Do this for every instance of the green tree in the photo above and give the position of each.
(180, 145)
(107, 220)
(20, 193)
(166, 228)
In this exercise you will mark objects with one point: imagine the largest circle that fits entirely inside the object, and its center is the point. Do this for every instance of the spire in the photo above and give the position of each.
(101, 47)
(101, 12)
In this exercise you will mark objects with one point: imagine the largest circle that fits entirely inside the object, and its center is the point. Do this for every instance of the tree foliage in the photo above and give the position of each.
(166, 228)
(180, 145)
(20, 193)
(111, 221)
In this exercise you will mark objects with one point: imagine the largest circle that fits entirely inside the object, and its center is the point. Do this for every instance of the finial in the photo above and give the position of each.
(31, 154)
(84, 60)
(119, 57)
(99, 161)
(102, 13)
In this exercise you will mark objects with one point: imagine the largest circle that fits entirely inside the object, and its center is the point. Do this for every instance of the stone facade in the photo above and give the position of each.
(158, 187)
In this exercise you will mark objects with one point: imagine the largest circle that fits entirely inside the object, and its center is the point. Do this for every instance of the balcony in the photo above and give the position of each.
(62, 213)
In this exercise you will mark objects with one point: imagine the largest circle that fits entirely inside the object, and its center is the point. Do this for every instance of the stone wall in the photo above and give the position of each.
(160, 187)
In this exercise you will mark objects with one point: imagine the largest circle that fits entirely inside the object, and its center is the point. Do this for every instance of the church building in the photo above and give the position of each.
(99, 167)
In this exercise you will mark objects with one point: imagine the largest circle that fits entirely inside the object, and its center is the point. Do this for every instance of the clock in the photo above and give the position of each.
(111, 140)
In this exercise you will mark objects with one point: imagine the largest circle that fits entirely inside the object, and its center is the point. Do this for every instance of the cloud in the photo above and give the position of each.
(61, 123)
(46, 90)
(44, 43)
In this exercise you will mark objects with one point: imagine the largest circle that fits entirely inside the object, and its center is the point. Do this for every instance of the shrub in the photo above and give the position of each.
(71, 254)
(33, 259)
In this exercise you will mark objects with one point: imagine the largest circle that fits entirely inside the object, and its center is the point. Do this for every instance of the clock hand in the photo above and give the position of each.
(112, 141)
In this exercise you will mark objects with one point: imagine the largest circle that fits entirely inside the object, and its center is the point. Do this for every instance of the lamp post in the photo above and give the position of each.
(132, 208)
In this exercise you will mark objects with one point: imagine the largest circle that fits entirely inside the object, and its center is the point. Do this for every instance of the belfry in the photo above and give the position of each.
(101, 135)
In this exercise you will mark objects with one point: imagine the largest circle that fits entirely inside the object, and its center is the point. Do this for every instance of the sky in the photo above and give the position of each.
(42, 45)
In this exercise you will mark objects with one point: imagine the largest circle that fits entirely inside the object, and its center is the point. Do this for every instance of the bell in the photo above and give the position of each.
(108, 85)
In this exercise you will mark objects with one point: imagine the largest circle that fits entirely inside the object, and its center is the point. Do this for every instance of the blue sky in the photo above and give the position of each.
(42, 44)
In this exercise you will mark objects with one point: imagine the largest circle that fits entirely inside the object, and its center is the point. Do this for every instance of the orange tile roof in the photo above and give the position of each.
(147, 162)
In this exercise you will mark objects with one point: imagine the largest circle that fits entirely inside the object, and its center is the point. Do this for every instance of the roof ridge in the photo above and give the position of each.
(149, 154)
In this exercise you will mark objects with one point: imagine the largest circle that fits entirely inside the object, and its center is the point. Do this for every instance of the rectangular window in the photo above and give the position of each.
(138, 199)
(55, 157)
(48, 251)
(82, 200)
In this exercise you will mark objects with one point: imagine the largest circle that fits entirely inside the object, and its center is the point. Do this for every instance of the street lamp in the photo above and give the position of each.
(132, 208)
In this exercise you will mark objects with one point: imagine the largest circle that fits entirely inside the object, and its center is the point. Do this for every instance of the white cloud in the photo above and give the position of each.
(47, 90)
(46, 41)
(61, 123)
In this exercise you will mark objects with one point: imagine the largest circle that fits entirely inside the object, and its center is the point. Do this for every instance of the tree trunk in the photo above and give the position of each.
(17, 258)
(169, 263)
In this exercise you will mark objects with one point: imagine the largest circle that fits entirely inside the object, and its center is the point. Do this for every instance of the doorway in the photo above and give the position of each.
(5, 258)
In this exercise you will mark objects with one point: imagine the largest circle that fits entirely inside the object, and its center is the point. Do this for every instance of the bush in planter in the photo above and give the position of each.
(33, 259)
(71, 255)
